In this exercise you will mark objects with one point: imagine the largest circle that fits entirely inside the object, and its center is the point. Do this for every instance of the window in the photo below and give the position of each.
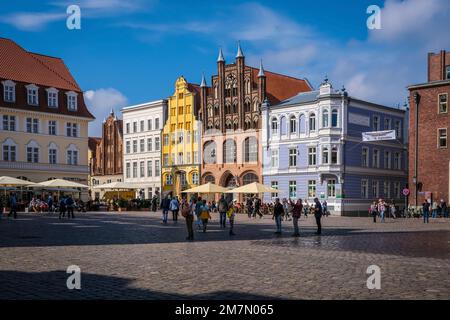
(325, 156)
(365, 157)
(149, 124)
(311, 188)
(32, 95)
(325, 119)
(72, 101)
(52, 98)
(183, 180)
(157, 124)
(376, 158)
(180, 110)
(32, 125)
(134, 146)
(52, 156)
(52, 127)
(195, 179)
(157, 144)
(334, 155)
(142, 145)
(387, 124)
(274, 184)
(312, 156)
(71, 129)
(127, 128)
(9, 91)
(443, 103)
(442, 138)
(292, 157)
(195, 136)
(72, 157)
(376, 123)
(397, 190)
(364, 189)
(127, 148)
(274, 158)
(387, 160)
(9, 123)
(169, 179)
(397, 161)
(331, 188)
(142, 169)
(229, 151)
(157, 168)
(274, 126)
(387, 189)
(293, 124)
(251, 149)
(149, 144)
(134, 127)
(149, 168)
(134, 169)
(180, 158)
(33, 154)
(292, 189)
(312, 122)
(165, 159)
(188, 109)
(334, 118)
(196, 160)
(166, 139)
(142, 125)
(398, 129)
(375, 189)
(9, 153)
(127, 170)
(188, 157)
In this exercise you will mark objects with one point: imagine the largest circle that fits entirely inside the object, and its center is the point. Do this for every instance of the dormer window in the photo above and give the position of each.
(9, 91)
(72, 101)
(32, 95)
(52, 97)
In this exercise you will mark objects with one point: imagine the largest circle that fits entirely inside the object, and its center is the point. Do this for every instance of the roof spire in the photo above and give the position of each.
(261, 70)
(112, 112)
(203, 84)
(220, 58)
(239, 54)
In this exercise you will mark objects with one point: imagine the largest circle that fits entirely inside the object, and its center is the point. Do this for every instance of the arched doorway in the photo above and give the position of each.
(229, 181)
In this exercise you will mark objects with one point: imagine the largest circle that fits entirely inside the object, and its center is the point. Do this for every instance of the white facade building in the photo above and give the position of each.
(142, 125)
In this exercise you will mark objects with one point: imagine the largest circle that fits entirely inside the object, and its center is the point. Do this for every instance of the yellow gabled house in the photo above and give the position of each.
(181, 140)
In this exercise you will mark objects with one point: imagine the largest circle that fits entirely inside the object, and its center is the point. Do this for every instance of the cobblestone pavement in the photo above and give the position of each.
(133, 256)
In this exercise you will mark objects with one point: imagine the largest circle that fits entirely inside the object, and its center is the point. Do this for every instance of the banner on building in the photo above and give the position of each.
(379, 135)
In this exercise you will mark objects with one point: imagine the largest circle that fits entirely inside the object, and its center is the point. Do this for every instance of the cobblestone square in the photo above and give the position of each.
(133, 256)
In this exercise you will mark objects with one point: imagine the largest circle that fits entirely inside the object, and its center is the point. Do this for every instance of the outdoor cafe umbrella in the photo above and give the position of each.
(118, 185)
(254, 187)
(6, 181)
(207, 188)
(59, 183)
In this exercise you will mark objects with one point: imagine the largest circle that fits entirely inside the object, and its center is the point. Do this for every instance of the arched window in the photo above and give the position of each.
(325, 119)
(32, 151)
(216, 110)
(210, 152)
(250, 149)
(215, 91)
(169, 179)
(255, 106)
(283, 125)
(235, 125)
(255, 123)
(235, 107)
(72, 155)
(312, 122)
(274, 125)
(247, 106)
(210, 178)
(249, 178)
(334, 155)
(194, 178)
(210, 112)
(301, 125)
(334, 118)
(325, 156)
(52, 153)
(247, 124)
(229, 151)
(292, 125)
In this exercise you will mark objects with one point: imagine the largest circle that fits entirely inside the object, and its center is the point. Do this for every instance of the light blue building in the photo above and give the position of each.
(312, 147)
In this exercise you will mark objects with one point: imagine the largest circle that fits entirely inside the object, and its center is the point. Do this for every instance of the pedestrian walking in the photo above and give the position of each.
(223, 208)
(393, 210)
(249, 207)
(50, 203)
(188, 211)
(257, 207)
(306, 208)
(434, 207)
(205, 216)
(165, 206)
(69, 206)
(278, 212)
(326, 213)
(13, 205)
(62, 207)
(296, 214)
(426, 211)
(444, 209)
(373, 211)
(381, 209)
(198, 212)
(174, 207)
(318, 215)
(231, 213)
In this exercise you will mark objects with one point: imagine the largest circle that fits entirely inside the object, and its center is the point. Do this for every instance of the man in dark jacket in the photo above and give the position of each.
(223, 208)
(165, 206)
(278, 211)
(318, 215)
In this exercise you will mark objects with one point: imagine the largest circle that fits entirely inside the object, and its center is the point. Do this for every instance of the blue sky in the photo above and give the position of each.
(129, 52)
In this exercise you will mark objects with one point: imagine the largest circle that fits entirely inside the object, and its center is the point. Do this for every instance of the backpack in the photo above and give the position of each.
(185, 210)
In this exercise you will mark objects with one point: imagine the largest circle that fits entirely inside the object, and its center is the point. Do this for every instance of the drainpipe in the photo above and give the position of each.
(416, 148)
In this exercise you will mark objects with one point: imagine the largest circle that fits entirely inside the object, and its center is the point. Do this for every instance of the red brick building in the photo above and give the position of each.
(429, 167)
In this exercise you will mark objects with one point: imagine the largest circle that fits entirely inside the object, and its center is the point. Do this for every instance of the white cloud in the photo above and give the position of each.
(100, 102)
(29, 21)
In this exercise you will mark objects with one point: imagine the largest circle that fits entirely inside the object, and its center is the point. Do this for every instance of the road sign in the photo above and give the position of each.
(406, 192)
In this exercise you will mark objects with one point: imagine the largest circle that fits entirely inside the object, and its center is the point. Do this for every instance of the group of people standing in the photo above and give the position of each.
(435, 208)
(381, 208)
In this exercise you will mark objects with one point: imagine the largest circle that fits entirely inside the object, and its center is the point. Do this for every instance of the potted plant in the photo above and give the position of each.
(122, 205)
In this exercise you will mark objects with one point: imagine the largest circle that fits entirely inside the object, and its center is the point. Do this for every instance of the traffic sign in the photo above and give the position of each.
(406, 192)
